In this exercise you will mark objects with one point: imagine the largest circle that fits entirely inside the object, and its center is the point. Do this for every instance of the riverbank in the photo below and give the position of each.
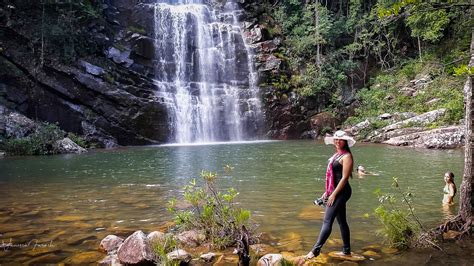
(140, 248)
(409, 129)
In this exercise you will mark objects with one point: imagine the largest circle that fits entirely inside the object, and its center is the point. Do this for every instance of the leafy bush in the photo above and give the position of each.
(78, 140)
(41, 142)
(401, 228)
(213, 212)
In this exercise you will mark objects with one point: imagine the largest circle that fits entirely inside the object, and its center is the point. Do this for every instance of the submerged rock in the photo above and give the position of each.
(44, 259)
(85, 258)
(371, 254)
(291, 242)
(389, 250)
(311, 213)
(339, 255)
(260, 249)
(135, 249)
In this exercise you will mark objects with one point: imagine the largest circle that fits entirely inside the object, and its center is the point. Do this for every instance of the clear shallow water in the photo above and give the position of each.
(73, 201)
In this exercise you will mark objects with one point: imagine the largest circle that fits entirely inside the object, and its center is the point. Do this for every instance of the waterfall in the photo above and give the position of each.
(205, 72)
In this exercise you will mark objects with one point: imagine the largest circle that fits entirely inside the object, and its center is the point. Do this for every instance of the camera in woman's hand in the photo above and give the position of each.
(321, 201)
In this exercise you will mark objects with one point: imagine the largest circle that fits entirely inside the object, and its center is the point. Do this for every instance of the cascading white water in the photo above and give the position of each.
(204, 72)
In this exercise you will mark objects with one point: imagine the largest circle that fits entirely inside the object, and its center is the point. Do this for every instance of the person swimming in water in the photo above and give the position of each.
(449, 189)
(362, 172)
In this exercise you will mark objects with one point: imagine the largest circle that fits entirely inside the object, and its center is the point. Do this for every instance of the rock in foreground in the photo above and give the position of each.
(135, 249)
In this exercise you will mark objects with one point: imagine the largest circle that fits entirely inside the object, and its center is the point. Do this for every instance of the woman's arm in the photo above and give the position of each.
(346, 172)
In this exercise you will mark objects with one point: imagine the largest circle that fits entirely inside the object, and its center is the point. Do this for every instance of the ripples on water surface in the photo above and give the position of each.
(73, 201)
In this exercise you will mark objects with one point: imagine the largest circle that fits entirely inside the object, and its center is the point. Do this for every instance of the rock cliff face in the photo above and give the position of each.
(109, 98)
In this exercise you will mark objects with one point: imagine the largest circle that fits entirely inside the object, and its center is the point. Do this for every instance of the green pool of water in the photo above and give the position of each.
(72, 201)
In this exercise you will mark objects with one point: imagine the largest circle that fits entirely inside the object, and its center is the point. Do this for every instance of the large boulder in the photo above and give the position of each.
(110, 243)
(135, 249)
(66, 145)
(17, 125)
(156, 237)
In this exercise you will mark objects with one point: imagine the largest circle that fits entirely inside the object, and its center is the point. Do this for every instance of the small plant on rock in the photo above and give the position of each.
(212, 211)
(162, 247)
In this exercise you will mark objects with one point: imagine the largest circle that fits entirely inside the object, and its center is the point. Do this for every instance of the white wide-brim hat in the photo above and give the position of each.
(340, 135)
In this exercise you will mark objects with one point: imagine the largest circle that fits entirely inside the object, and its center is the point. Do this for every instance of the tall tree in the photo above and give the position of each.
(317, 37)
(467, 198)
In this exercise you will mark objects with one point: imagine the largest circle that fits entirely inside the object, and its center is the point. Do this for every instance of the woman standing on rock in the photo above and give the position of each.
(338, 191)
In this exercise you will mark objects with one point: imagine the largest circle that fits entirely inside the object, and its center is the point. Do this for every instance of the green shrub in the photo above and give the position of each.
(162, 247)
(78, 140)
(21, 146)
(401, 228)
(213, 212)
(41, 142)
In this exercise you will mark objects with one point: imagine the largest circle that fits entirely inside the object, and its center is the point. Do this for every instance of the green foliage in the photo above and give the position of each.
(427, 23)
(41, 142)
(401, 227)
(355, 31)
(212, 211)
(78, 140)
(164, 246)
(384, 93)
(60, 30)
(463, 70)
(397, 230)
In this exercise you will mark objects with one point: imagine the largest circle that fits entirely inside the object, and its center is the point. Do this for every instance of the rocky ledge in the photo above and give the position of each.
(409, 129)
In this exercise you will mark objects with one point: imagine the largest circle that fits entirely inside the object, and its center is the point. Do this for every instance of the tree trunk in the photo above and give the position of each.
(466, 197)
(42, 36)
(419, 49)
(318, 39)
